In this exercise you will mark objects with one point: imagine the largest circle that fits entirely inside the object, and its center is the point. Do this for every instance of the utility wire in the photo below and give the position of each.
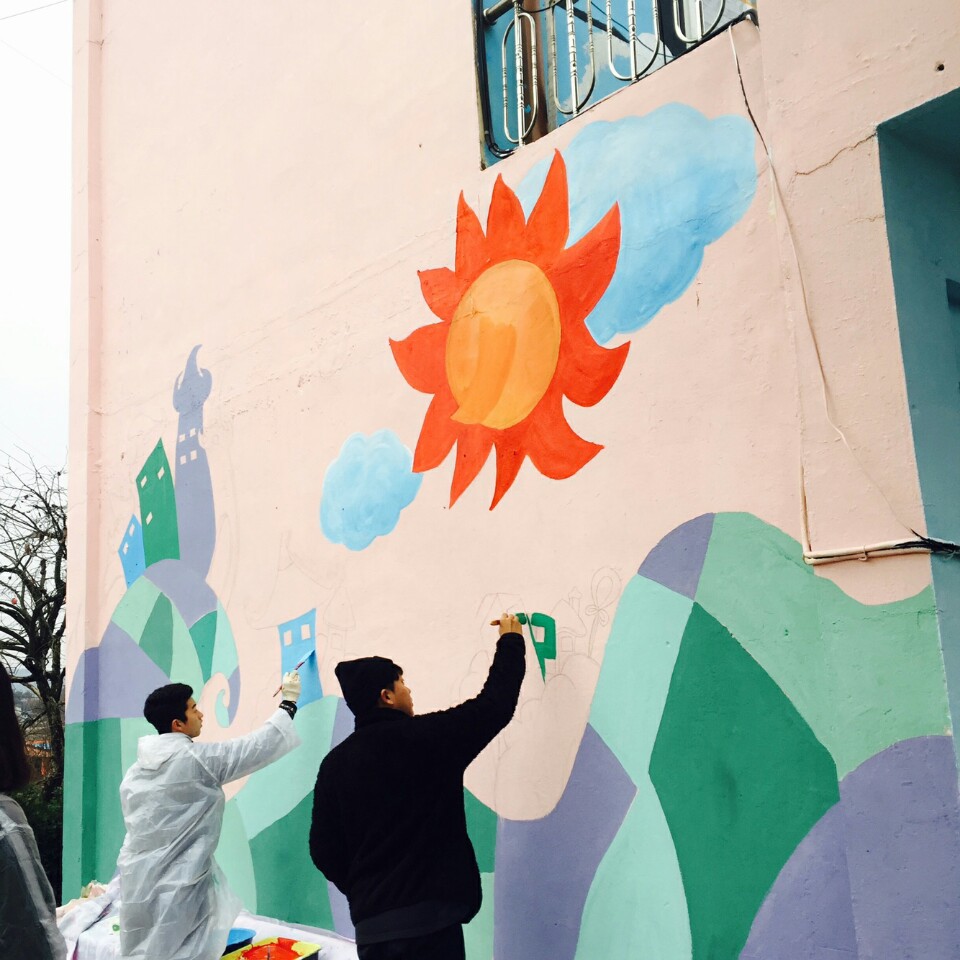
(23, 13)
(36, 63)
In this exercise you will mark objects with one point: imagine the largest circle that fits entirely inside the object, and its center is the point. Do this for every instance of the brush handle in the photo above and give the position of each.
(300, 664)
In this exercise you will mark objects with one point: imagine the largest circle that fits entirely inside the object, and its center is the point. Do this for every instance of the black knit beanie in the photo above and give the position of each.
(362, 680)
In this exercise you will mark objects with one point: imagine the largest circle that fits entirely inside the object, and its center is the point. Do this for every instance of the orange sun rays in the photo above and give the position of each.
(512, 341)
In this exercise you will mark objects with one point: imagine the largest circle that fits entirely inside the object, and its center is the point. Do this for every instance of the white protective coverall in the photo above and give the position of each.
(174, 900)
(28, 922)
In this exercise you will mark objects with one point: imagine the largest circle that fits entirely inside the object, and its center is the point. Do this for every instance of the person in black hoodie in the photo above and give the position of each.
(389, 827)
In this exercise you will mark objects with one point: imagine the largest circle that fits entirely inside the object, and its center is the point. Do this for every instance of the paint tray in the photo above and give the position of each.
(276, 948)
(239, 937)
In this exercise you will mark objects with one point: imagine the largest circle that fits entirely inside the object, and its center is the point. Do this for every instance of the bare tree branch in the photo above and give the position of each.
(33, 554)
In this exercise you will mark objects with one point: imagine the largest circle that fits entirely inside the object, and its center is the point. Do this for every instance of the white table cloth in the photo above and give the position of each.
(102, 940)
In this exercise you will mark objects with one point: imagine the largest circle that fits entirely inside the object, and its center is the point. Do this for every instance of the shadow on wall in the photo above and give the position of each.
(920, 170)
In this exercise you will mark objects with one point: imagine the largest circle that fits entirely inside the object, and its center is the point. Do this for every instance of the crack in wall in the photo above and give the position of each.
(846, 149)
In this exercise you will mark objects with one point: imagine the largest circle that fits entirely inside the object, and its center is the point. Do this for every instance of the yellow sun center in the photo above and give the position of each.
(503, 345)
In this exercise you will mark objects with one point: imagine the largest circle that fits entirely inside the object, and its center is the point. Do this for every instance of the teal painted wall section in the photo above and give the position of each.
(920, 167)
(863, 677)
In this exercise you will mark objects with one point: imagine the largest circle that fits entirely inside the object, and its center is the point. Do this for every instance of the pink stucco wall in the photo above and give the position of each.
(267, 180)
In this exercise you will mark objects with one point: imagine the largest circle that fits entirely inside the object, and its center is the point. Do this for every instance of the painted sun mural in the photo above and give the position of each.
(512, 340)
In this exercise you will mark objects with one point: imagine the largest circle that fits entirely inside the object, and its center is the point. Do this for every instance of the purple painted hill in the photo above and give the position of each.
(879, 874)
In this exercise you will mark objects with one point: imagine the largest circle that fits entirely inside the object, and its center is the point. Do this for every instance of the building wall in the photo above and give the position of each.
(335, 385)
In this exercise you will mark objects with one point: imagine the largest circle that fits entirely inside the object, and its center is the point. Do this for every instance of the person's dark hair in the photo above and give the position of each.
(167, 704)
(362, 680)
(14, 769)
(397, 674)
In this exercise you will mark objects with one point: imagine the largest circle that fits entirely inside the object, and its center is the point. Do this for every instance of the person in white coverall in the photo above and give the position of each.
(174, 900)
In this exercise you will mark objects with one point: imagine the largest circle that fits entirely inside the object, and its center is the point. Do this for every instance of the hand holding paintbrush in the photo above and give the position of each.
(292, 678)
(509, 623)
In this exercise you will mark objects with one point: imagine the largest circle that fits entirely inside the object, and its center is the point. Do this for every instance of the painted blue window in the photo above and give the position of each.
(131, 551)
(542, 62)
(298, 650)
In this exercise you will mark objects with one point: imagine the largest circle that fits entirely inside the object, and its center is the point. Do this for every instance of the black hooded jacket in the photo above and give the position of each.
(389, 827)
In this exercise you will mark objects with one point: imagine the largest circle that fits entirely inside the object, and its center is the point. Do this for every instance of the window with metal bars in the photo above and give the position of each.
(542, 62)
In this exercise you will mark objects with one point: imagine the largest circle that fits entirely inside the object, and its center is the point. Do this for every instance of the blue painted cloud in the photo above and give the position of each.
(681, 179)
(365, 489)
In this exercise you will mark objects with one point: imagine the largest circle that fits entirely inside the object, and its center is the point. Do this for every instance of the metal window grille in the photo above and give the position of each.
(542, 62)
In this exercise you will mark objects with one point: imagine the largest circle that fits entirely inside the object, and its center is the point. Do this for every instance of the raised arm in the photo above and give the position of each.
(233, 759)
(466, 729)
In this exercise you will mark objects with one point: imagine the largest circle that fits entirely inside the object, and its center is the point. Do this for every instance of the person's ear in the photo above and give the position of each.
(386, 697)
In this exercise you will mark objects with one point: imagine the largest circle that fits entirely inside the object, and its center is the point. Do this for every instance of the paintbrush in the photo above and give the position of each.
(299, 665)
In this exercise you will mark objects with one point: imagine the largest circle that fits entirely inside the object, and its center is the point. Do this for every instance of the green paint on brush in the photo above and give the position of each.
(741, 779)
(287, 880)
(863, 676)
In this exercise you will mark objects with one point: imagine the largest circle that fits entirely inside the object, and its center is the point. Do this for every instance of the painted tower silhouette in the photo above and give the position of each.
(194, 488)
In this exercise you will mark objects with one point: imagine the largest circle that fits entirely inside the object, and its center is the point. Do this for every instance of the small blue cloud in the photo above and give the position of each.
(365, 489)
(681, 179)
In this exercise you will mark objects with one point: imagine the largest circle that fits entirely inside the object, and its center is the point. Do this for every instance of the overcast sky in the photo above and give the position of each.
(35, 81)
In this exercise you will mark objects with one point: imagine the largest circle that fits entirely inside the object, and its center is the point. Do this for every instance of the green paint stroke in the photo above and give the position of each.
(135, 607)
(225, 647)
(273, 792)
(637, 665)
(233, 855)
(863, 676)
(74, 788)
(478, 933)
(288, 884)
(482, 830)
(156, 641)
(204, 634)
(185, 666)
(158, 508)
(741, 778)
(94, 832)
(545, 649)
(636, 906)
